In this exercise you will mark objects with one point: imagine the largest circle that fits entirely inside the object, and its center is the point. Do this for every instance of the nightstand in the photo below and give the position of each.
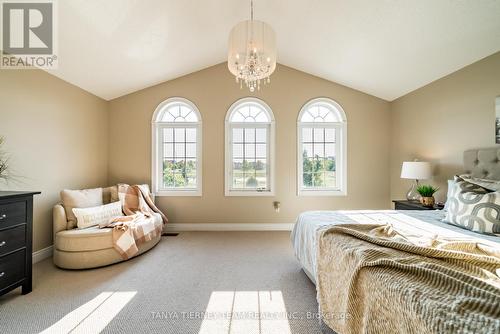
(413, 205)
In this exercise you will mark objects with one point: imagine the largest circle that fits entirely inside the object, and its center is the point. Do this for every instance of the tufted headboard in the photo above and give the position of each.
(483, 163)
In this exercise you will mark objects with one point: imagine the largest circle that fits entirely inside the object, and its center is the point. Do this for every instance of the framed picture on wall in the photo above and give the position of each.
(497, 124)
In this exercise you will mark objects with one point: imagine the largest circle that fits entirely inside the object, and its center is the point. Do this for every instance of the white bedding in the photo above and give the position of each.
(309, 224)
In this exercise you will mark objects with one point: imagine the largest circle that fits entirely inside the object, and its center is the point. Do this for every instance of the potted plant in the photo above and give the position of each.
(427, 194)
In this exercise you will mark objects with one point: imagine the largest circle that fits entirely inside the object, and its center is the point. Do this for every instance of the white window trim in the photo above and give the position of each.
(341, 149)
(156, 149)
(229, 152)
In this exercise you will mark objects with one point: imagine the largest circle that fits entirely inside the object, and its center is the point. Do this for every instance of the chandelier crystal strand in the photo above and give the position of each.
(252, 52)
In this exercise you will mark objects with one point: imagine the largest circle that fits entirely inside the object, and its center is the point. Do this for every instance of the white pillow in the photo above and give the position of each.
(87, 217)
(451, 184)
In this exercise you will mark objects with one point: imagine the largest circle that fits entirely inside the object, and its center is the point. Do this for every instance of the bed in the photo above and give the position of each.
(305, 232)
(443, 314)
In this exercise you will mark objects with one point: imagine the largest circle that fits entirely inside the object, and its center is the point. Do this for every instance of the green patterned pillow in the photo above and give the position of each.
(472, 208)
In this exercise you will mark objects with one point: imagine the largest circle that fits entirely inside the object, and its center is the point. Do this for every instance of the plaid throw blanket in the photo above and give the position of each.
(143, 221)
(374, 279)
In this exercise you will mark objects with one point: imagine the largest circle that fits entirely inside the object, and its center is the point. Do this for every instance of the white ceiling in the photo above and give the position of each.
(386, 48)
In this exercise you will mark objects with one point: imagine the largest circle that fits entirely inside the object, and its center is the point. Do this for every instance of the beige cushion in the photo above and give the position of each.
(86, 198)
(59, 219)
(97, 215)
(110, 194)
(80, 240)
(96, 258)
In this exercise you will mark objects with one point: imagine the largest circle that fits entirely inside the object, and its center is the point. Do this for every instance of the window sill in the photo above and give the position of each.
(230, 193)
(312, 193)
(178, 193)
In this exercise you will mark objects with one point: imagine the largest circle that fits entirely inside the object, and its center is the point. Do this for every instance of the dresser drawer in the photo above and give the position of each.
(12, 213)
(12, 239)
(12, 268)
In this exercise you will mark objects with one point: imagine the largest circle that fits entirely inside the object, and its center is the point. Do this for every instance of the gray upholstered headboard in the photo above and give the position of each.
(483, 163)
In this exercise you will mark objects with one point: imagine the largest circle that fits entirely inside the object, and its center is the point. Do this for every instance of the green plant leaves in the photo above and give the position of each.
(426, 190)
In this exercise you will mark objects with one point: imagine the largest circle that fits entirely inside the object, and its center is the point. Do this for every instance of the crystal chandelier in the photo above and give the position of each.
(252, 52)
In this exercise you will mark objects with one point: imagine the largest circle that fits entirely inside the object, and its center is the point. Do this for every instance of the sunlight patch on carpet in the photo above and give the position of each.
(93, 316)
(246, 312)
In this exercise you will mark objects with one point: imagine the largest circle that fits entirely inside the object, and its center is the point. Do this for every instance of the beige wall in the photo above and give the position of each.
(213, 90)
(56, 134)
(441, 120)
(58, 137)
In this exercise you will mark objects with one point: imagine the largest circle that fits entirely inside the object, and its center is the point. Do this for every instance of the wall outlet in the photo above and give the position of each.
(277, 206)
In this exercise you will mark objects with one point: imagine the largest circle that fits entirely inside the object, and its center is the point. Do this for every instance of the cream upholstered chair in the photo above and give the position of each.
(90, 247)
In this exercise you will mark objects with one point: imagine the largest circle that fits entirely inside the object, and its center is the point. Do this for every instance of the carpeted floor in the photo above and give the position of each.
(186, 284)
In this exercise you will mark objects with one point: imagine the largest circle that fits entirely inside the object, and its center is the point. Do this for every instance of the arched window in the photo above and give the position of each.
(176, 150)
(249, 149)
(322, 146)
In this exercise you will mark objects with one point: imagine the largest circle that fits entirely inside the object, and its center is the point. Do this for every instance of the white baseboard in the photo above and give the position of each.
(229, 227)
(42, 254)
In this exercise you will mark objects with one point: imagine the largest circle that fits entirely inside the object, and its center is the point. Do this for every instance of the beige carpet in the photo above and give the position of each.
(197, 282)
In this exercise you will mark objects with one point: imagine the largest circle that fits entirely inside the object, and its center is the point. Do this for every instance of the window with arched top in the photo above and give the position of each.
(176, 128)
(322, 148)
(249, 149)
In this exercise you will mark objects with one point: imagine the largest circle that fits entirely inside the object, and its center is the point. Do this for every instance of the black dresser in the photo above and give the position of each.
(16, 227)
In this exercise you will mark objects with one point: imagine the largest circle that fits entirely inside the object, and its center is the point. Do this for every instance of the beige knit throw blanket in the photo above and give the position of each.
(374, 279)
(143, 221)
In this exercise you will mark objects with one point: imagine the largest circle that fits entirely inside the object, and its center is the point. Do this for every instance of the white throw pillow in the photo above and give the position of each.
(87, 217)
(451, 184)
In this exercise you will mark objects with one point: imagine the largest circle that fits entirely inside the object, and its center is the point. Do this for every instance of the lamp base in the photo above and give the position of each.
(412, 194)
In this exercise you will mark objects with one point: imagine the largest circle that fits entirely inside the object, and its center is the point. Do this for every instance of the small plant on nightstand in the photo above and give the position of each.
(427, 192)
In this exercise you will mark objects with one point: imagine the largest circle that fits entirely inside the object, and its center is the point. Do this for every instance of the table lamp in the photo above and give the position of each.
(415, 170)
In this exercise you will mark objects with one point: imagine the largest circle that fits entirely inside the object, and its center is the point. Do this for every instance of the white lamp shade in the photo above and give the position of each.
(416, 170)
(249, 38)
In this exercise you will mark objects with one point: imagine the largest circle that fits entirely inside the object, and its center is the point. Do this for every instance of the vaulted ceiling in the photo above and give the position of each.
(386, 48)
